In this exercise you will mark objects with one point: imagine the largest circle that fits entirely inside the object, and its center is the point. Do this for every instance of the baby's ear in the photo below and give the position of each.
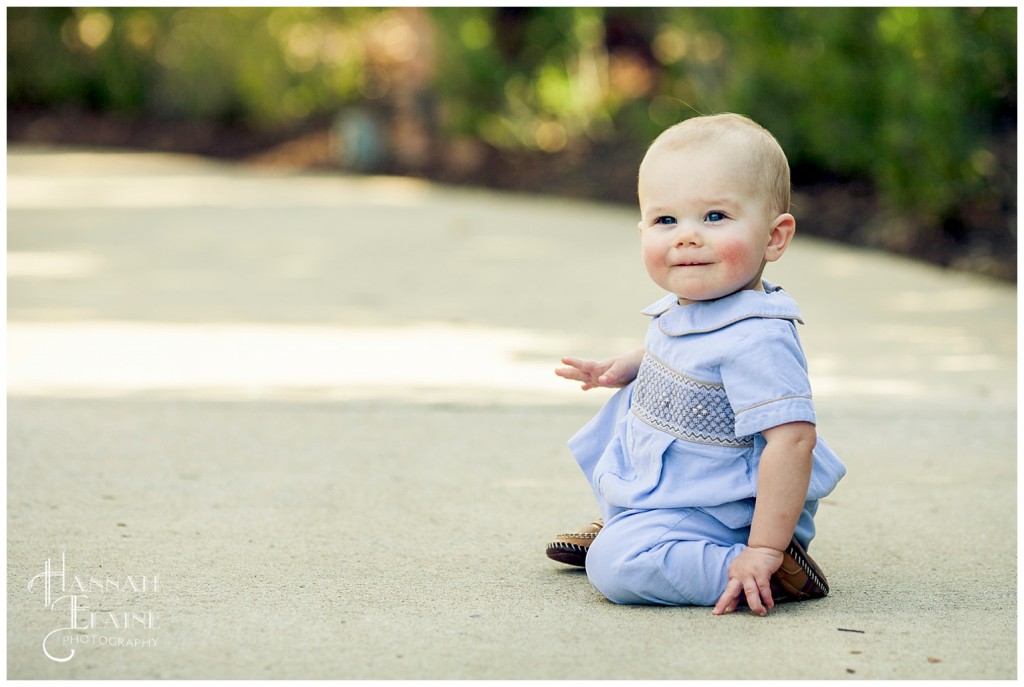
(783, 228)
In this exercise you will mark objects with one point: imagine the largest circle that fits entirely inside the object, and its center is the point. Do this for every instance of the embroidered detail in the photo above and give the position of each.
(686, 408)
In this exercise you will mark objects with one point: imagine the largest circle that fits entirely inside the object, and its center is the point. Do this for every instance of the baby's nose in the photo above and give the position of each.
(688, 235)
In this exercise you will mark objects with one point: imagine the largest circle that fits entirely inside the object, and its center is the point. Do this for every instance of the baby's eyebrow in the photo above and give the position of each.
(718, 201)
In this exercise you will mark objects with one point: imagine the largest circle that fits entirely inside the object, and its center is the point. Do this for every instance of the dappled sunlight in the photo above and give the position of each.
(968, 363)
(826, 386)
(259, 361)
(930, 339)
(52, 265)
(126, 277)
(425, 362)
(94, 180)
(926, 361)
(947, 300)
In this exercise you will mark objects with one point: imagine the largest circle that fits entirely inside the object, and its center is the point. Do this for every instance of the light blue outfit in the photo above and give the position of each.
(673, 457)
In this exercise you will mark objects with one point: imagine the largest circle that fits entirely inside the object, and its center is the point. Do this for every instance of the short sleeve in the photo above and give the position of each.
(765, 378)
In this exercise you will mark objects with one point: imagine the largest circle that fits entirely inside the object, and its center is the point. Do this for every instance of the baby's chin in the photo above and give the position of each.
(707, 296)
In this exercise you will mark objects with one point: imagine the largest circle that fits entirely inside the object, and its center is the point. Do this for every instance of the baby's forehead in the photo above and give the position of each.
(723, 166)
(721, 154)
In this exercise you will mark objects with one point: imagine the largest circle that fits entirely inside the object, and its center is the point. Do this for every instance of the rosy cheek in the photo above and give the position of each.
(735, 255)
(652, 253)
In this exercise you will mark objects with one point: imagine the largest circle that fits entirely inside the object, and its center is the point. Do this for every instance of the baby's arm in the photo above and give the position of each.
(613, 372)
(782, 481)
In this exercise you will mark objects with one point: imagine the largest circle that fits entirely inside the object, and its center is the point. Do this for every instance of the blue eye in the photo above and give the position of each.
(665, 219)
(714, 216)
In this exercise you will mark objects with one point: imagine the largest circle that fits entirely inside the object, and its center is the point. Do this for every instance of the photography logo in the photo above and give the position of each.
(84, 609)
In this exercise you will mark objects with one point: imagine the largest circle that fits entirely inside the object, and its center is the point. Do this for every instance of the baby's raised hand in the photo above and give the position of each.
(613, 372)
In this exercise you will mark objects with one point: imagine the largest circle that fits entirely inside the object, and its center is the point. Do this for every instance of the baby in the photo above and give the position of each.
(707, 466)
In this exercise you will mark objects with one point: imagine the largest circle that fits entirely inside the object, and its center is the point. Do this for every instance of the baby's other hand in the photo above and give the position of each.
(613, 373)
(749, 576)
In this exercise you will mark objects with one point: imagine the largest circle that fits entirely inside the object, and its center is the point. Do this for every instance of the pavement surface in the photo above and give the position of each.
(269, 425)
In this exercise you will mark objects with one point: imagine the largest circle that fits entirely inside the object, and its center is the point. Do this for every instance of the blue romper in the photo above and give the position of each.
(673, 457)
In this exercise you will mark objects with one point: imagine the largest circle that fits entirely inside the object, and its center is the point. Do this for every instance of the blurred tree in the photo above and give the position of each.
(920, 102)
(530, 77)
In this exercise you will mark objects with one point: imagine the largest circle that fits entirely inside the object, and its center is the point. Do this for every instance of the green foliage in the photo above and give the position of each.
(913, 99)
(266, 67)
(523, 77)
(907, 97)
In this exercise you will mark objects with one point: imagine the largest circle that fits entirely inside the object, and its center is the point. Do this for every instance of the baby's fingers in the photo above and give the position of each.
(730, 598)
(758, 597)
(574, 374)
(617, 374)
(569, 373)
(753, 594)
(587, 366)
(585, 371)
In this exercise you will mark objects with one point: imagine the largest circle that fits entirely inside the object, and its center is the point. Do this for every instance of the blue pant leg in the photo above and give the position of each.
(677, 557)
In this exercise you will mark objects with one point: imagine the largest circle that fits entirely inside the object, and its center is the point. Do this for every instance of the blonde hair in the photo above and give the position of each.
(767, 159)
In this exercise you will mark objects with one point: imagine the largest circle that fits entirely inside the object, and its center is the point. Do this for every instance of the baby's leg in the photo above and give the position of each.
(667, 556)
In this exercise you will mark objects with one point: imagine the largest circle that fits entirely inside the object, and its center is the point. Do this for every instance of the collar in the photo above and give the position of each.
(706, 316)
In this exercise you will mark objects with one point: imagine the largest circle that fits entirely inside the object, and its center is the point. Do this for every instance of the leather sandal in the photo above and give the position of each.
(571, 547)
(799, 578)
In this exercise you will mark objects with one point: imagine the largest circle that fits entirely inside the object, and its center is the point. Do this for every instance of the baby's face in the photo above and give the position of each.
(704, 230)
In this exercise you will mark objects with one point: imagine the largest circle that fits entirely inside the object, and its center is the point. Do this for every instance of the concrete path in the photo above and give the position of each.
(300, 426)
